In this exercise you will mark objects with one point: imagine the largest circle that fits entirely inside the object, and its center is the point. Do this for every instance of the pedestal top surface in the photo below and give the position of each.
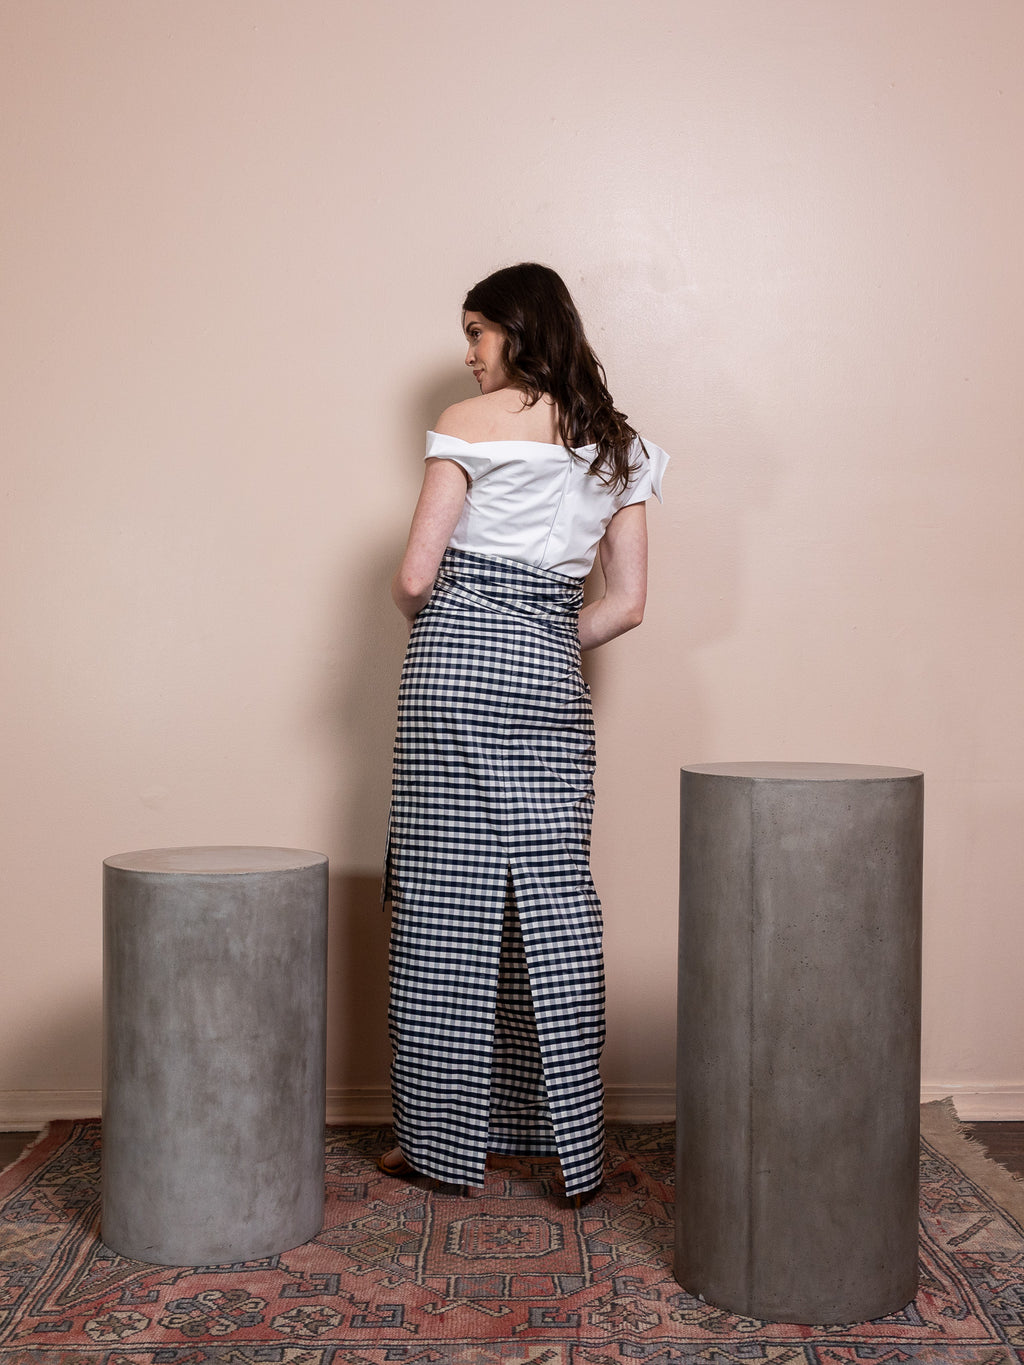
(226, 860)
(802, 772)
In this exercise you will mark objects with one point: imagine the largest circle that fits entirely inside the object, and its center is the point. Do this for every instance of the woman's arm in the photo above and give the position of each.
(623, 551)
(436, 516)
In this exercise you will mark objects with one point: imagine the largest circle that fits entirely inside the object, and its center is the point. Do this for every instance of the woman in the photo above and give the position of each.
(497, 986)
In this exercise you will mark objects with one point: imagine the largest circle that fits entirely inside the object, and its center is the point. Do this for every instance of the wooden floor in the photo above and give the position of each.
(12, 1145)
(1004, 1142)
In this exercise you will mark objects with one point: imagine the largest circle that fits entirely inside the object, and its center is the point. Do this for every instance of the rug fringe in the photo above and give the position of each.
(941, 1126)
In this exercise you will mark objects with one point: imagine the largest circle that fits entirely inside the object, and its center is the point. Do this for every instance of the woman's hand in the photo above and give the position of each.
(436, 516)
(623, 551)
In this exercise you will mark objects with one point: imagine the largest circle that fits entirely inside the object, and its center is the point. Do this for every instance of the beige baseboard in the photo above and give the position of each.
(28, 1110)
(640, 1103)
(372, 1106)
(657, 1103)
(976, 1105)
(623, 1104)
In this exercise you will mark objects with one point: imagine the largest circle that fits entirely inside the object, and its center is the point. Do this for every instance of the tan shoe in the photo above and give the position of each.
(394, 1163)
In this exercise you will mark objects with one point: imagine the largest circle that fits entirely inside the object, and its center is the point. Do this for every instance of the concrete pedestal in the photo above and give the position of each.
(799, 1038)
(214, 976)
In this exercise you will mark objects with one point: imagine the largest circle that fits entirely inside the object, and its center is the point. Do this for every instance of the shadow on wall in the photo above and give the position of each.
(358, 1056)
(358, 1053)
(654, 711)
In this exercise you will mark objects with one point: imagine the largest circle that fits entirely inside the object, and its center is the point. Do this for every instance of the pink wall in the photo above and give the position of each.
(236, 235)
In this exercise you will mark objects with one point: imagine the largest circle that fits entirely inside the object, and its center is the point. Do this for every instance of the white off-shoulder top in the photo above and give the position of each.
(535, 503)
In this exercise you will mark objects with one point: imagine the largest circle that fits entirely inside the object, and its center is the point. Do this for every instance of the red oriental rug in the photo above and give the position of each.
(402, 1275)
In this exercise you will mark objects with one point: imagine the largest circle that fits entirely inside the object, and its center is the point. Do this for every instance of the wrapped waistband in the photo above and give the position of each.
(512, 585)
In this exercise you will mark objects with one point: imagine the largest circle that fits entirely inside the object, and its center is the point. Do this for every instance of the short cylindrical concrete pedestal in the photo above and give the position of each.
(214, 987)
(799, 1038)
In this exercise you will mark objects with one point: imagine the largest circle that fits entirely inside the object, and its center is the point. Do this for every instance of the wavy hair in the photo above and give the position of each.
(547, 352)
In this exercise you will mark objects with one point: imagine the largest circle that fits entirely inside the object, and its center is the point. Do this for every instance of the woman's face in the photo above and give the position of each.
(486, 354)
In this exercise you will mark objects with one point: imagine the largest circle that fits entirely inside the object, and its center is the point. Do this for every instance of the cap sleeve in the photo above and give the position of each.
(475, 459)
(646, 482)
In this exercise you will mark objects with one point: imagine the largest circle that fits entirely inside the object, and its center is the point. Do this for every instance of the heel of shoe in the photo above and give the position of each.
(393, 1163)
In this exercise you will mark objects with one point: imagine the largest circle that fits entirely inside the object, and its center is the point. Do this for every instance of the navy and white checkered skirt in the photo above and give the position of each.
(497, 982)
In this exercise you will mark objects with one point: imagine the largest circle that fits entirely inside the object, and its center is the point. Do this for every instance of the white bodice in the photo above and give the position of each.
(533, 502)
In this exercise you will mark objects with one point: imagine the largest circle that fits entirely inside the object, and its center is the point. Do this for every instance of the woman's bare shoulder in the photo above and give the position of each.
(498, 416)
(463, 419)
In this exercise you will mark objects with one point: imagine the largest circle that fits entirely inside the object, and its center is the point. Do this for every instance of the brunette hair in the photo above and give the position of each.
(546, 351)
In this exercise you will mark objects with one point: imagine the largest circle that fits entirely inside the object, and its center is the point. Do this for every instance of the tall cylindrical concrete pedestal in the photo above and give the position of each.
(214, 986)
(799, 1038)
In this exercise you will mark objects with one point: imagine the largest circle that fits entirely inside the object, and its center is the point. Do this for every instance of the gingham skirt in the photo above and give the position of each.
(497, 982)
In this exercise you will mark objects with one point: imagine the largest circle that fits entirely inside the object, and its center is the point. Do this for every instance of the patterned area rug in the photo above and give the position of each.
(402, 1275)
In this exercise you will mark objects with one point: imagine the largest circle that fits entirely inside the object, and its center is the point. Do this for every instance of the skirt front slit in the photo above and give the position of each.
(497, 984)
